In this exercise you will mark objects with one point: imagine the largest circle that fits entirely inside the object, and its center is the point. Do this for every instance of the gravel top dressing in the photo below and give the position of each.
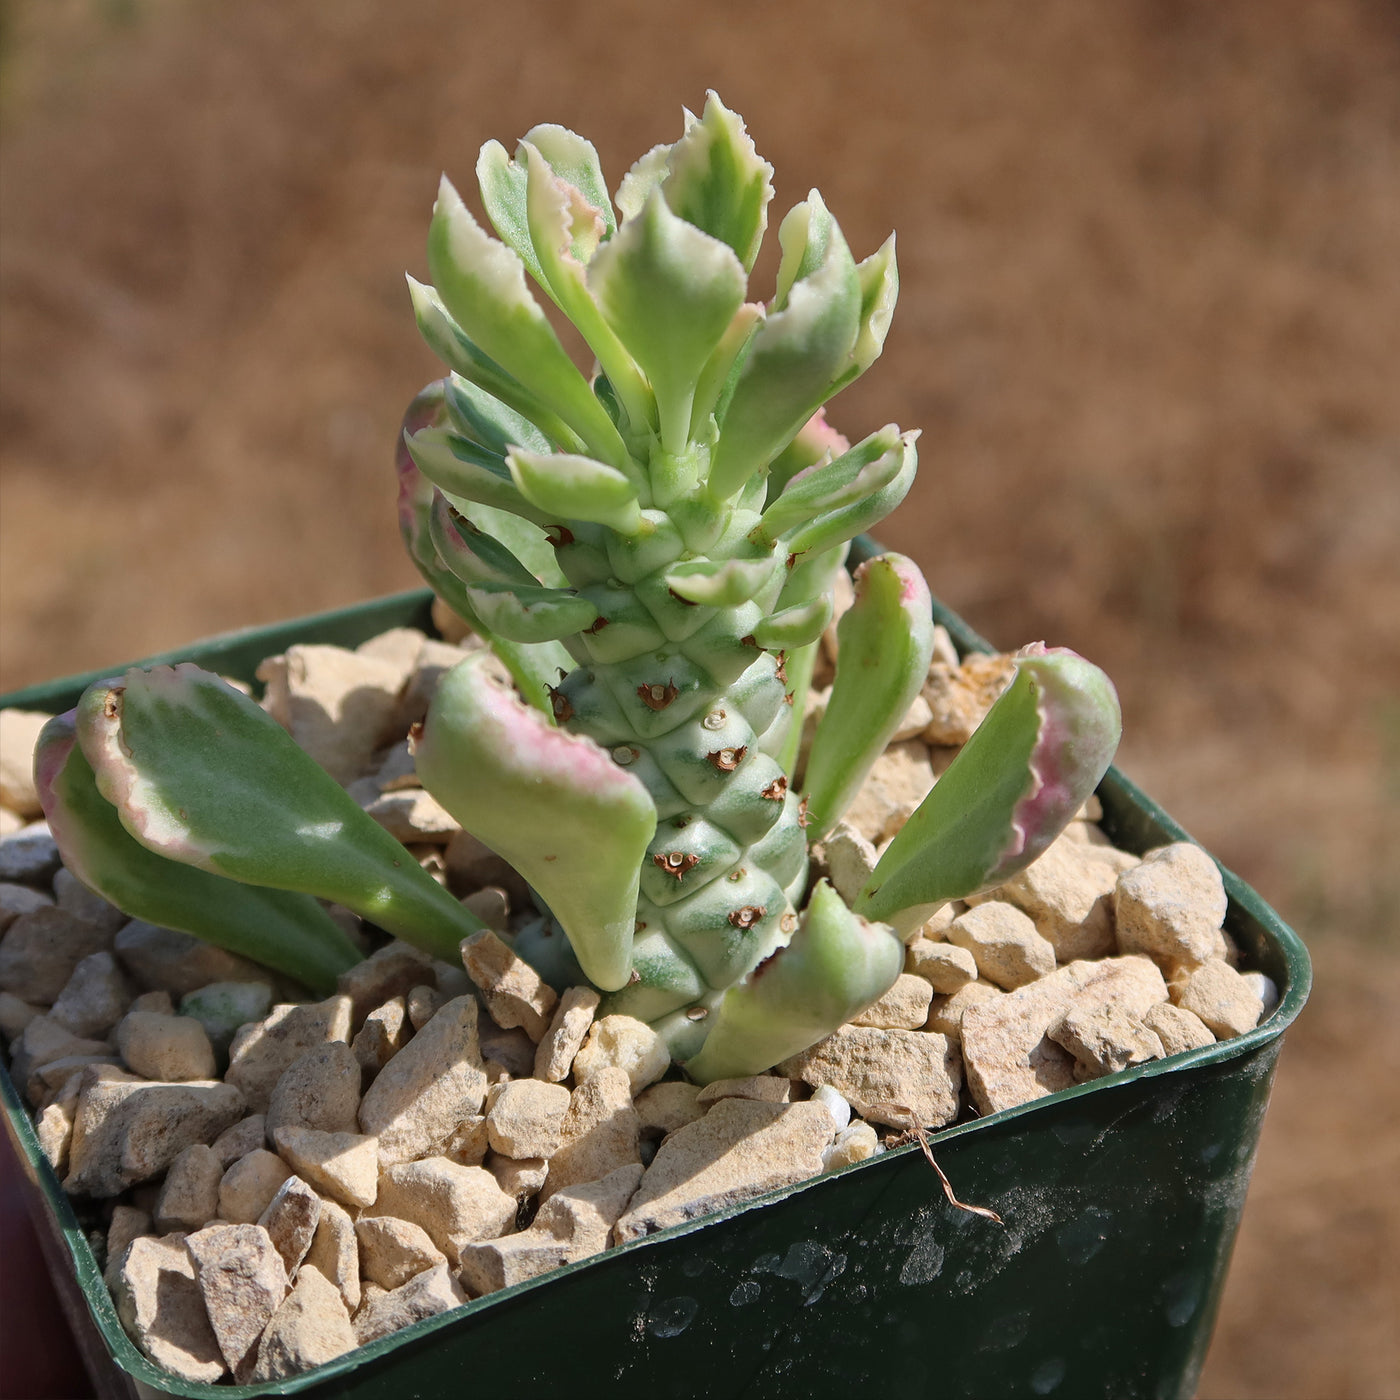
(282, 1180)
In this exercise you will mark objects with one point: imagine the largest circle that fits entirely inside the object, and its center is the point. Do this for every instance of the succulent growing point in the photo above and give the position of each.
(650, 550)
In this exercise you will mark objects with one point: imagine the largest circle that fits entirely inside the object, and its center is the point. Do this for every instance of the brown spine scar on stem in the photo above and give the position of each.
(748, 916)
(657, 697)
(776, 790)
(560, 704)
(675, 863)
(727, 760)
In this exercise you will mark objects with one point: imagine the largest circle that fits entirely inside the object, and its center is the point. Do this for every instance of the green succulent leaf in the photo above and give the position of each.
(199, 773)
(502, 182)
(523, 613)
(796, 626)
(845, 522)
(462, 468)
(553, 804)
(645, 176)
(670, 292)
(532, 666)
(486, 421)
(791, 362)
(721, 583)
(482, 285)
(574, 159)
(879, 290)
(451, 344)
(832, 485)
(565, 486)
(835, 966)
(805, 236)
(717, 181)
(288, 932)
(474, 556)
(1027, 769)
(556, 210)
(715, 384)
(885, 641)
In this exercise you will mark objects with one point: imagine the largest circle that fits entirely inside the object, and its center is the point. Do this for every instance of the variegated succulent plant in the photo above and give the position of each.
(650, 550)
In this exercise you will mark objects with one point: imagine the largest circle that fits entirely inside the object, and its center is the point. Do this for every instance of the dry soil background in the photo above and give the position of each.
(1150, 326)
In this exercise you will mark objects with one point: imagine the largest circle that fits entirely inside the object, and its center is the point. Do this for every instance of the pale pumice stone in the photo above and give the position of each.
(514, 992)
(71, 894)
(411, 815)
(1068, 892)
(94, 998)
(428, 1294)
(392, 1251)
(311, 1327)
(390, 971)
(335, 703)
(42, 948)
(566, 1033)
(19, 733)
(127, 1132)
(888, 1076)
(765, 1088)
(1221, 997)
(335, 1252)
(243, 1281)
(1004, 944)
(625, 1043)
(738, 1150)
(246, 1189)
(1008, 1055)
(433, 1084)
(261, 1052)
(1104, 1039)
(525, 1118)
(160, 959)
(343, 1166)
(319, 1089)
(946, 967)
(1171, 907)
(850, 858)
(1178, 1030)
(903, 1007)
(128, 1223)
(664, 1107)
(290, 1220)
(29, 856)
(959, 694)
(385, 1032)
(945, 1014)
(162, 1309)
(169, 1048)
(189, 1196)
(21, 899)
(456, 1205)
(601, 1131)
(856, 1143)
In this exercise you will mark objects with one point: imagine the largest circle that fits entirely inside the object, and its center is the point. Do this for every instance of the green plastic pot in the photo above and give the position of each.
(1121, 1200)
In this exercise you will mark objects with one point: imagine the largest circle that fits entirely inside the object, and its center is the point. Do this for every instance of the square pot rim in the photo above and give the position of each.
(1244, 903)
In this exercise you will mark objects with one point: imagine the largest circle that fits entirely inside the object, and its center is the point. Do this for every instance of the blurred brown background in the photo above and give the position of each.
(1150, 326)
